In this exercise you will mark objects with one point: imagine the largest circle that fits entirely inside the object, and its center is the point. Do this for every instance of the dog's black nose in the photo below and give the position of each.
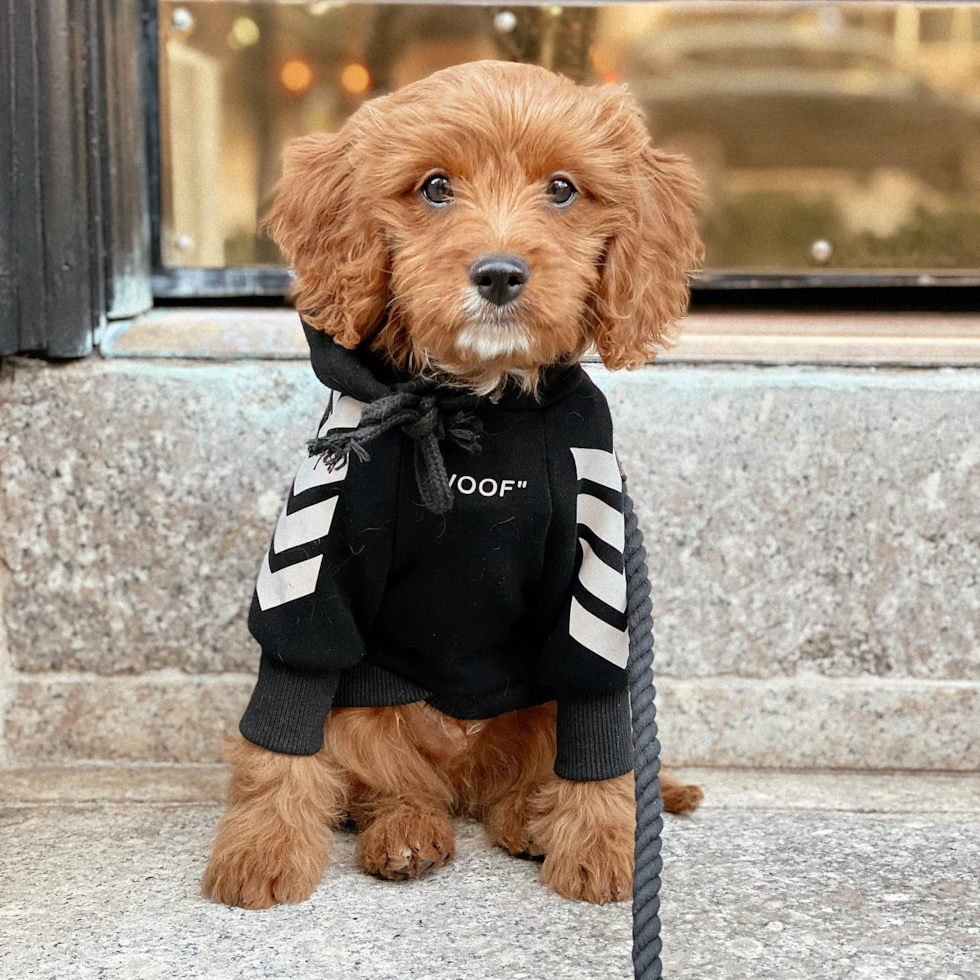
(499, 278)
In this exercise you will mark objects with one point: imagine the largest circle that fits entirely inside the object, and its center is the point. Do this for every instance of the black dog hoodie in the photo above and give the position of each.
(443, 547)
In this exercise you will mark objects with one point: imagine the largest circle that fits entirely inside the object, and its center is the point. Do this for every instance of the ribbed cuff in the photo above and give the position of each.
(289, 708)
(369, 686)
(595, 737)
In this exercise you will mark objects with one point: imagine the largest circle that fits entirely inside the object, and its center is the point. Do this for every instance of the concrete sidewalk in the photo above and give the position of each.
(781, 875)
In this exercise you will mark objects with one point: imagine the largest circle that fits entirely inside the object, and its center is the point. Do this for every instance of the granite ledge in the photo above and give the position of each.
(807, 723)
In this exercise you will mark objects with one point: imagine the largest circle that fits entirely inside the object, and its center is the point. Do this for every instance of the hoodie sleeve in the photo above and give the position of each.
(584, 658)
(319, 587)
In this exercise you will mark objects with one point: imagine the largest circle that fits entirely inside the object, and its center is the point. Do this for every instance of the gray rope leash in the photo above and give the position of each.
(646, 755)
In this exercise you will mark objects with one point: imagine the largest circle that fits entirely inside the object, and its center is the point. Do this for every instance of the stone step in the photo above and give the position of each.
(814, 539)
(846, 723)
(164, 784)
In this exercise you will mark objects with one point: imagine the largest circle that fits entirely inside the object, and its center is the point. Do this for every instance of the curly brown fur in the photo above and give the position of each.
(376, 264)
(274, 839)
(508, 761)
(400, 773)
(584, 829)
(399, 796)
(679, 797)
(586, 833)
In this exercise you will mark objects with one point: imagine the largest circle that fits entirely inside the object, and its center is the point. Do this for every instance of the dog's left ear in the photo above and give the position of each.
(325, 230)
(643, 287)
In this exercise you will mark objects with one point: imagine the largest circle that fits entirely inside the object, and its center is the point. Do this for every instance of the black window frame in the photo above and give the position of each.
(74, 203)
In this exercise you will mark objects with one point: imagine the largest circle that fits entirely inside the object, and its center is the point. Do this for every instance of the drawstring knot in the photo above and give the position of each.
(427, 419)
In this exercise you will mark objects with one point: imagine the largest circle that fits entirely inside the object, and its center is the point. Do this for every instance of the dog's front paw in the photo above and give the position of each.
(597, 869)
(405, 841)
(586, 833)
(253, 874)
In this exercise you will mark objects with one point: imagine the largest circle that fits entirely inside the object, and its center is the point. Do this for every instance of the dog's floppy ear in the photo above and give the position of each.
(326, 232)
(643, 285)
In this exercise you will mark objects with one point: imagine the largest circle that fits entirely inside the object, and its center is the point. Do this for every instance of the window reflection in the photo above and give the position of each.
(842, 136)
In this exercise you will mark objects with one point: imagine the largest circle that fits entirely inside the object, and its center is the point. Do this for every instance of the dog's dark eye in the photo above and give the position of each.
(562, 191)
(437, 189)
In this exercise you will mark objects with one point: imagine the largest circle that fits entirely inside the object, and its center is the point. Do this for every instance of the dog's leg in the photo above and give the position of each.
(274, 839)
(400, 797)
(586, 830)
(509, 760)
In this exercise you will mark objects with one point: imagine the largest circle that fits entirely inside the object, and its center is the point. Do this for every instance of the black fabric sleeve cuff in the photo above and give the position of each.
(595, 737)
(289, 708)
(369, 686)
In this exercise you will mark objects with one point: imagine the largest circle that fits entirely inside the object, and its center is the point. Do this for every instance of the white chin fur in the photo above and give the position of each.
(490, 331)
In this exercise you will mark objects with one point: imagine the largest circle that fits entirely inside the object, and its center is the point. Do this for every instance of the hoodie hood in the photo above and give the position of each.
(366, 376)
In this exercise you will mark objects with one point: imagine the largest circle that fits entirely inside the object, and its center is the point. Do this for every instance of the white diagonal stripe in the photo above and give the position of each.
(600, 580)
(304, 526)
(314, 473)
(599, 466)
(308, 524)
(345, 415)
(291, 582)
(597, 635)
(601, 519)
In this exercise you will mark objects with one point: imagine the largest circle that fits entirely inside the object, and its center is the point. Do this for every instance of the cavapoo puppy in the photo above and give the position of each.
(441, 613)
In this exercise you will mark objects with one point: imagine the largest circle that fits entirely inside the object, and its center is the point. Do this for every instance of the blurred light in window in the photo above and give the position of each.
(296, 76)
(505, 21)
(355, 78)
(182, 20)
(244, 32)
(319, 9)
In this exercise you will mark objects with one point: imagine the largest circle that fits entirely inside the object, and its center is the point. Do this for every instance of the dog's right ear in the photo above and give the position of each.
(336, 251)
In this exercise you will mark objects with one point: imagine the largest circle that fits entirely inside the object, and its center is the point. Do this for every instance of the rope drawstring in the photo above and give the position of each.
(427, 419)
(646, 755)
